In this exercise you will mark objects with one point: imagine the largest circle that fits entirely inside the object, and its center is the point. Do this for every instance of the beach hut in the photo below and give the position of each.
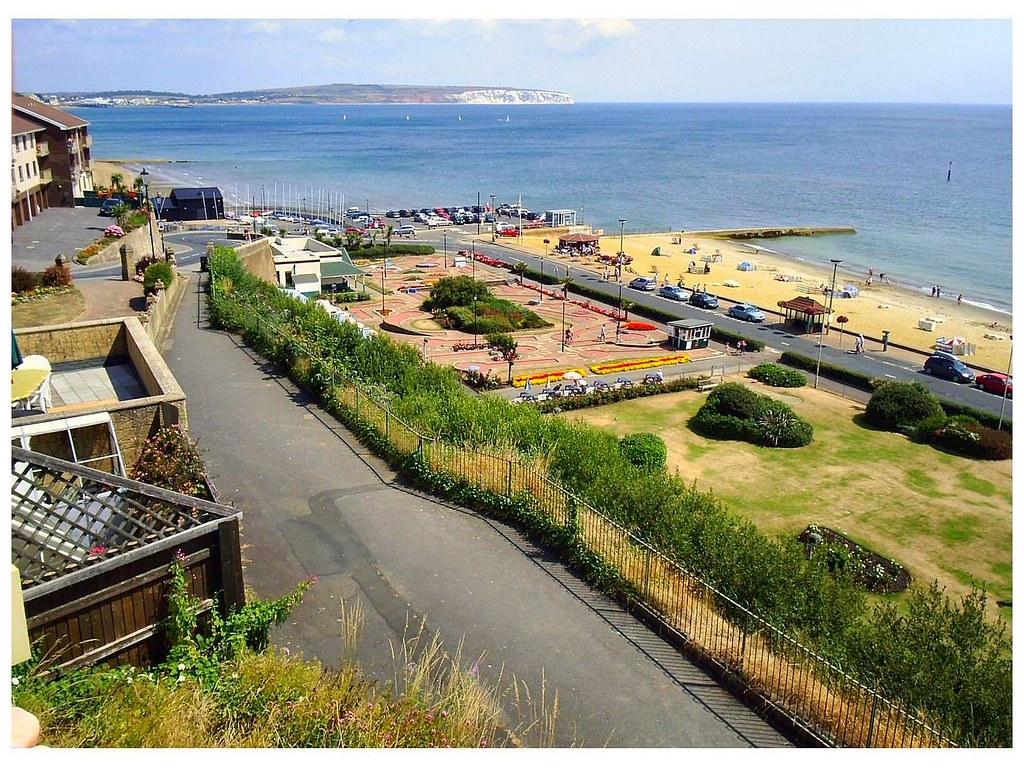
(746, 266)
(578, 242)
(804, 313)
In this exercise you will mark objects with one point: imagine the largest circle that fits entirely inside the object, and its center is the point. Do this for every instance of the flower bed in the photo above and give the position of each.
(870, 570)
(545, 377)
(639, 326)
(623, 366)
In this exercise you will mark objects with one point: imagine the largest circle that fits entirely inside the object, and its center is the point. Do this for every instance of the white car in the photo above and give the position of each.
(437, 221)
(406, 230)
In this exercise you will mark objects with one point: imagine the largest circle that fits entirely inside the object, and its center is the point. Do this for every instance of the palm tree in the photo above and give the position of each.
(626, 306)
(519, 268)
(122, 213)
(117, 181)
(387, 239)
(139, 184)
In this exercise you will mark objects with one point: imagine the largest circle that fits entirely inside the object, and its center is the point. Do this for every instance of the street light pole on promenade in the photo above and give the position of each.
(494, 218)
(145, 191)
(444, 238)
(821, 329)
(618, 273)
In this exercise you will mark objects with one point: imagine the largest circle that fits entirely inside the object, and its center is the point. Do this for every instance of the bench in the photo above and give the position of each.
(708, 383)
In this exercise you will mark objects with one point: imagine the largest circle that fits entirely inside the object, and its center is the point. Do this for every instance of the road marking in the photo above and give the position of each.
(889, 376)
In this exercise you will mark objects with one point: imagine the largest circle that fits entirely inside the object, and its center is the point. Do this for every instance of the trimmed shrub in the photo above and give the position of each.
(900, 406)
(644, 451)
(929, 429)
(723, 336)
(781, 428)
(733, 412)
(775, 375)
(994, 444)
(395, 249)
(161, 270)
(22, 280)
(966, 436)
(57, 276)
(735, 400)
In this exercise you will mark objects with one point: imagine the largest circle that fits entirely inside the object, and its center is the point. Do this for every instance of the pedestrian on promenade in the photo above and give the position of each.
(618, 334)
(742, 345)
(602, 335)
(859, 345)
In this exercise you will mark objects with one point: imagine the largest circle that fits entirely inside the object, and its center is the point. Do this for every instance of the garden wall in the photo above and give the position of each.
(258, 258)
(138, 240)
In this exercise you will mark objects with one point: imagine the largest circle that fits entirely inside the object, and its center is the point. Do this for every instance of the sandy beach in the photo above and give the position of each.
(102, 170)
(878, 307)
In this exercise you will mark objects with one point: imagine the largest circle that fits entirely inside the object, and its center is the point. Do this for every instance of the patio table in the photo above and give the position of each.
(25, 383)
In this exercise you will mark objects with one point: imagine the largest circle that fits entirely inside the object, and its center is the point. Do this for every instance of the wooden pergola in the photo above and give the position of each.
(576, 241)
(803, 311)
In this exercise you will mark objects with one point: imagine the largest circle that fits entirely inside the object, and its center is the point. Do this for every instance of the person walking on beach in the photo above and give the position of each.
(938, 291)
(882, 278)
(871, 273)
(960, 299)
(602, 336)
(933, 291)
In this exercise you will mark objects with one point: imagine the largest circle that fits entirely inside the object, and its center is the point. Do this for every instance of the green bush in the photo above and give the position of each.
(829, 371)
(775, 375)
(723, 336)
(644, 451)
(733, 412)
(395, 249)
(900, 406)
(928, 429)
(458, 291)
(22, 280)
(966, 436)
(161, 270)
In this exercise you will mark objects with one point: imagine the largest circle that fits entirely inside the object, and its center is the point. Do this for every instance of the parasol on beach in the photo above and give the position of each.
(572, 375)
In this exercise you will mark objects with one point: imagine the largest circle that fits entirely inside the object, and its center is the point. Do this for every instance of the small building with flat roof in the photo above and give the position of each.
(690, 334)
(560, 217)
(312, 267)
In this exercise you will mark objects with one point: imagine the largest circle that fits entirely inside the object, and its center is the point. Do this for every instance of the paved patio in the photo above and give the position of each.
(91, 383)
(56, 230)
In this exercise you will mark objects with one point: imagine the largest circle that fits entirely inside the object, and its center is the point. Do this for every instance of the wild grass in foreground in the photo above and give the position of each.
(236, 696)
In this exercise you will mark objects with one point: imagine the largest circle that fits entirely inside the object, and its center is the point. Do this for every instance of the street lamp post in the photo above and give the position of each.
(145, 191)
(821, 329)
(474, 320)
(618, 275)
(444, 239)
(565, 291)
(383, 277)
(479, 213)
(494, 217)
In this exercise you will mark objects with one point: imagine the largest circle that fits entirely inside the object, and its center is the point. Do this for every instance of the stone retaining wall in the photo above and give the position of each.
(137, 239)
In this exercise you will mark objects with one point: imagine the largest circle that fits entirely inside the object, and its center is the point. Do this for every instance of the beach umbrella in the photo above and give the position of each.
(16, 358)
(572, 375)
(528, 389)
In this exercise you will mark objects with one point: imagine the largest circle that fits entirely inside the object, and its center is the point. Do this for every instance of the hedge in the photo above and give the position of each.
(395, 249)
(775, 375)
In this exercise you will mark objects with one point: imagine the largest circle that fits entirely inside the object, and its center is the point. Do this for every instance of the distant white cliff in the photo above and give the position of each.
(509, 96)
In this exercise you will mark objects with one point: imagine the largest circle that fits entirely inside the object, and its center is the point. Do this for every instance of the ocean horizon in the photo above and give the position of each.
(878, 167)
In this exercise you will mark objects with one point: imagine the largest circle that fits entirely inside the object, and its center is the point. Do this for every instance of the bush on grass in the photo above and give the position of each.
(900, 406)
(644, 451)
(733, 412)
(57, 276)
(775, 375)
(22, 280)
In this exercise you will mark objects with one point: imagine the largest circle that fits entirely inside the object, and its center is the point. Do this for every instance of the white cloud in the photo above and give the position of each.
(265, 26)
(332, 35)
(608, 27)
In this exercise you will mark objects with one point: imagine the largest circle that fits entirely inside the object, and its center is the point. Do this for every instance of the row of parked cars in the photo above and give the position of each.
(701, 299)
(578, 388)
(944, 365)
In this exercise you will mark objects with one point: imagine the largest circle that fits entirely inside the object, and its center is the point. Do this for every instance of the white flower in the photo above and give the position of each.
(15, 681)
(181, 667)
(181, 678)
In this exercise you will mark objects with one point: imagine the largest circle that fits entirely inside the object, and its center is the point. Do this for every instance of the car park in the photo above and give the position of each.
(946, 366)
(703, 300)
(747, 312)
(996, 383)
(673, 292)
(643, 283)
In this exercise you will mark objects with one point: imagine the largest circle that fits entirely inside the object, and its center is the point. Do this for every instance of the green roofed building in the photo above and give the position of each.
(312, 267)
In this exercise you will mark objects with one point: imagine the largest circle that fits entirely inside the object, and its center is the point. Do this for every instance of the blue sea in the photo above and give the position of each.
(879, 168)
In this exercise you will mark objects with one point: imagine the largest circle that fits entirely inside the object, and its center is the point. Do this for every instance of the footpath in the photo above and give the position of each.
(317, 503)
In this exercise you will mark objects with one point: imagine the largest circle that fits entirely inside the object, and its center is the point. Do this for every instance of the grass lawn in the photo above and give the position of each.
(943, 516)
(49, 310)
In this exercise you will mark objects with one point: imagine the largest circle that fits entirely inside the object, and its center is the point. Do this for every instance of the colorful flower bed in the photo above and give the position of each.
(545, 377)
(113, 231)
(638, 326)
(624, 366)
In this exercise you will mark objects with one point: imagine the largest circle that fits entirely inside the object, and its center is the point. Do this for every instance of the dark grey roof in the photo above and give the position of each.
(66, 517)
(195, 193)
(689, 323)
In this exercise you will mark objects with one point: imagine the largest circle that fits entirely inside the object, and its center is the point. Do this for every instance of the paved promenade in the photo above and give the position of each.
(316, 503)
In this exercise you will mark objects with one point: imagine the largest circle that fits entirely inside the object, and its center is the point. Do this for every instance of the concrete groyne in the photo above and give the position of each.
(752, 233)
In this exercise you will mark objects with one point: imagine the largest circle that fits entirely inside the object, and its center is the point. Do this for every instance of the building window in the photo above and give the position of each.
(35, 168)
(20, 177)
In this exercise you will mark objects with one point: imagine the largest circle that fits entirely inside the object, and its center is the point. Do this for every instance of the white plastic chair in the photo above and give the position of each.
(42, 396)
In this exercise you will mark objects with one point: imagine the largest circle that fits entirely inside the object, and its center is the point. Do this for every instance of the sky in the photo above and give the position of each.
(604, 60)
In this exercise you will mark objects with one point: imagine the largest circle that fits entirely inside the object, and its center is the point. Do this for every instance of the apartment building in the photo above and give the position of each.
(66, 147)
(28, 179)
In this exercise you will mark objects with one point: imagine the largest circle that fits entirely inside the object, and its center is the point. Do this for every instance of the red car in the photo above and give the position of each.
(509, 232)
(994, 383)
(354, 231)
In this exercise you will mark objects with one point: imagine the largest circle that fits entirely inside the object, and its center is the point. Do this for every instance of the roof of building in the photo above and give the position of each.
(806, 305)
(690, 323)
(578, 238)
(21, 124)
(195, 193)
(37, 109)
(340, 268)
(66, 517)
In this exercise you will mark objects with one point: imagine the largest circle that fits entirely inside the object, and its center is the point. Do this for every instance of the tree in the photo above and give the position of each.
(519, 268)
(353, 241)
(139, 184)
(626, 306)
(455, 292)
(509, 348)
(388, 233)
(117, 181)
(122, 213)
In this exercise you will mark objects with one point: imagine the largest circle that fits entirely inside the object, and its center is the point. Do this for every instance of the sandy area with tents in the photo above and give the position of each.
(776, 277)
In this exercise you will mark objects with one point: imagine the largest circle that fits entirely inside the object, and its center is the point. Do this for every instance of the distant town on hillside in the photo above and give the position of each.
(335, 93)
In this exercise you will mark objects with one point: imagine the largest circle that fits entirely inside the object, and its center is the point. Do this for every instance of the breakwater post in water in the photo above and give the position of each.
(753, 233)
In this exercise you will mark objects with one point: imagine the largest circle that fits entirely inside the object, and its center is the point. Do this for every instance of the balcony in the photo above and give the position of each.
(42, 148)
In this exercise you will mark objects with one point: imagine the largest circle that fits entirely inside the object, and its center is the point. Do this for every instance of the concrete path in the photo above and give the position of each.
(316, 503)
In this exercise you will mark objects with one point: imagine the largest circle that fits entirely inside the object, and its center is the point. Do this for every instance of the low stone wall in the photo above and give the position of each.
(88, 340)
(137, 239)
(159, 318)
(258, 258)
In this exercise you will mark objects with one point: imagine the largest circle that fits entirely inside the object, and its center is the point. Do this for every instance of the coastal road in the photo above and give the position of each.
(874, 362)
(318, 503)
(188, 247)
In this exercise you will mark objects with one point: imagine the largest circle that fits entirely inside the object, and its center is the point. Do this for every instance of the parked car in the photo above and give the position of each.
(509, 231)
(437, 221)
(392, 214)
(995, 383)
(673, 292)
(643, 283)
(108, 205)
(704, 300)
(354, 231)
(406, 230)
(747, 312)
(946, 366)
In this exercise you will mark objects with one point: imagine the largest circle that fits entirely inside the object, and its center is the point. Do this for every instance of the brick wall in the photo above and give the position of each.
(138, 240)
(89, 340)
